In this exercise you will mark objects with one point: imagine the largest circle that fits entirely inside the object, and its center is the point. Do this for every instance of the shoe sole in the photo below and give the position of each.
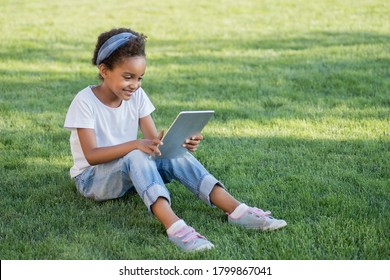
(280, 225)
(202, 248)
(277, 226)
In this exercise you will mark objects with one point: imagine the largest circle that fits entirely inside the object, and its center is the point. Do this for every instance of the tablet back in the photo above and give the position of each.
(186, 125)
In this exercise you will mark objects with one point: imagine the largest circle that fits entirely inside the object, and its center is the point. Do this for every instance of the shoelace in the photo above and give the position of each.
(260, 213)
(187, 234)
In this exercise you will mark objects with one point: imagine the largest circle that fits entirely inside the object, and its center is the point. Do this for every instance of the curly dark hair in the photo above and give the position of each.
(134, 47)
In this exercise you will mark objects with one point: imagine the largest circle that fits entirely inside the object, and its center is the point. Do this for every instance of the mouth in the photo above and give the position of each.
(128, 92)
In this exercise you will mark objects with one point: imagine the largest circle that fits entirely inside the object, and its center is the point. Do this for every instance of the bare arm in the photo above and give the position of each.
(97, 155)
(148, 127)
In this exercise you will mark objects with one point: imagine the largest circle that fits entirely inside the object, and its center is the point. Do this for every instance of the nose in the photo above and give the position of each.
(135, 85)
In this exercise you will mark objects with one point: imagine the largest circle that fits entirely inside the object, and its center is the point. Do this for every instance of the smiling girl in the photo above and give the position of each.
(109, 159)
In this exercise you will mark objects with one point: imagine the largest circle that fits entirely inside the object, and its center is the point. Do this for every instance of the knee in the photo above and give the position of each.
(137, 157)
(187, 161)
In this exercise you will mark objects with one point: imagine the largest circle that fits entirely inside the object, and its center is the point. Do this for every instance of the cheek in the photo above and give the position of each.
(123, 83)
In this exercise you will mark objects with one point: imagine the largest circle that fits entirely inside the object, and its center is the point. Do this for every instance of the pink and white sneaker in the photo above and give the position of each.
(254, 218)
(189, 240)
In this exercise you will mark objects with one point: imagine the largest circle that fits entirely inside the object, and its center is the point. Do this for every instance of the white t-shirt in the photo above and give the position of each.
(112, 126)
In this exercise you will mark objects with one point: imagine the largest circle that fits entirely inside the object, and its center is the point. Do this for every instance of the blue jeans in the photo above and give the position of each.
(148, 177)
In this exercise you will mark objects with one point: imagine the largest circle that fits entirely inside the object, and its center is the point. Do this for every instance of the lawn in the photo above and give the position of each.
(302, 125)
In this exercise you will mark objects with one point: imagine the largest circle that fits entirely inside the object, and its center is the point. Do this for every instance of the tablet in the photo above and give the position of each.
(186, 125)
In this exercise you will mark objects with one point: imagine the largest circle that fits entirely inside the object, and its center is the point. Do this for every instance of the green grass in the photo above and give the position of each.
(302, 126)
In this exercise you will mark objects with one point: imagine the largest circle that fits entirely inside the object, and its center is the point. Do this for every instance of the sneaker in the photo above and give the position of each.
(254, 218)
(189, 240)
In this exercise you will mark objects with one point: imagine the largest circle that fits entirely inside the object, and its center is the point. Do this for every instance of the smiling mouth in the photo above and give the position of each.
(129, 92)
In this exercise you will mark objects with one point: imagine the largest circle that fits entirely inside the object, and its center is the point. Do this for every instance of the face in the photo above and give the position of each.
(125, 78)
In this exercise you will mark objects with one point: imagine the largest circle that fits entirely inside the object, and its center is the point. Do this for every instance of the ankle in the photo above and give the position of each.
(239, 211)
(164, 213)
(175, 227)
(223, 200)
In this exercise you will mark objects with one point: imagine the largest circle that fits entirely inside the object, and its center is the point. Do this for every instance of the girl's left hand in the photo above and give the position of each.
(193, 143)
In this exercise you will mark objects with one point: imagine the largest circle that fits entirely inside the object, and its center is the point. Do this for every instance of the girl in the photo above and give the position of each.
(109, 160)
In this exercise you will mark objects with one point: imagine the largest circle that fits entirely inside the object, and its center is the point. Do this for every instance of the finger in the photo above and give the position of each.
(192, 142)
(157, 142)
(161, 134)
(190, 146)
(197, 137)
(155, 150)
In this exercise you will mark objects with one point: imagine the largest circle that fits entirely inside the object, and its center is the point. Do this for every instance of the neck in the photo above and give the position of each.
(106, 96)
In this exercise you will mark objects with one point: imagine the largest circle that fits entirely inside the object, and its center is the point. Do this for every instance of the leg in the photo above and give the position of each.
(146, 180)
(191, 173)
(150, 186)
(197, 179)
(164, 213)
(179, 233)
(223, 200)
(104, 181)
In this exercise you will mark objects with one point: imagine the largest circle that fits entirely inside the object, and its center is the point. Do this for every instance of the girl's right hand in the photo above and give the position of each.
(150, 146)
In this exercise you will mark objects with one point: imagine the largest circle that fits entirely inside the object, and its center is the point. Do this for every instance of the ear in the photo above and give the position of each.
(103, 70)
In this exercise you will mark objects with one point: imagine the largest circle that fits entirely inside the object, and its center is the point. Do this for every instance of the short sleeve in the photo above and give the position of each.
(80, 113)
(145, 106)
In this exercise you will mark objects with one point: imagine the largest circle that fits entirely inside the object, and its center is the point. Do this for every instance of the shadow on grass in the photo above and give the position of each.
(315, 185)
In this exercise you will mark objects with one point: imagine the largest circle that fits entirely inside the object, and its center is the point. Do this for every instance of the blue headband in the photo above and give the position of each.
(112, 44)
